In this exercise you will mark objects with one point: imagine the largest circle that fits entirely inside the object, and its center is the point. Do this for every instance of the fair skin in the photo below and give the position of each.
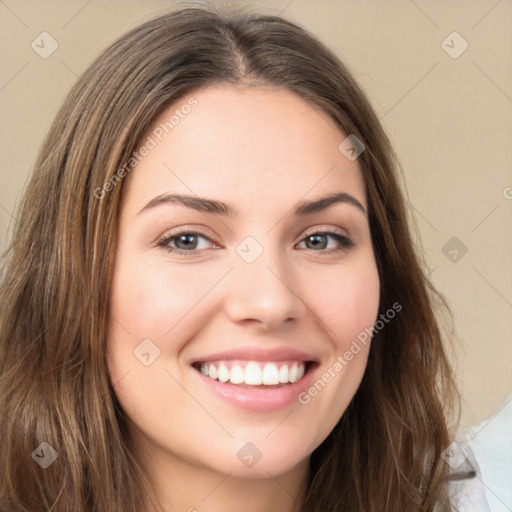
(262, 150)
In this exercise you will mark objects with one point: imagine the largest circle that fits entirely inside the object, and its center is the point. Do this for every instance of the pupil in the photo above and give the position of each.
(187, 239)
(315, 238)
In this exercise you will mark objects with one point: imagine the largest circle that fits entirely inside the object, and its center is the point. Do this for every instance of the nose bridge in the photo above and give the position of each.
(262, 285)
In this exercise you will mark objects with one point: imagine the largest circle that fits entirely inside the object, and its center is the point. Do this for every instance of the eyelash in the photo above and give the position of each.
(345, 242)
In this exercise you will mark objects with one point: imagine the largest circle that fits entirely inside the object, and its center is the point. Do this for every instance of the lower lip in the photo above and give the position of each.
(259, 398)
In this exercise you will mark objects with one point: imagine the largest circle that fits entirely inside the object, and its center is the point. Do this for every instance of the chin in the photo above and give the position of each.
(258, 459)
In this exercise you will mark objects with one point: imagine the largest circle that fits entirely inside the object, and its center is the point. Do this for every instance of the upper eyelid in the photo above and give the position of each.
(199, 231)
(325, 230)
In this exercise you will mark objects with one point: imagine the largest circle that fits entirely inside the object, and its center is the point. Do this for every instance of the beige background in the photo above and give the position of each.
(449, 118)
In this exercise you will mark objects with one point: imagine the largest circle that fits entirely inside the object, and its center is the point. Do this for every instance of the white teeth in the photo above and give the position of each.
(255, 374)
(270, 375)
(237, 374)
(292, 377)
(283, 374)
(223, 373)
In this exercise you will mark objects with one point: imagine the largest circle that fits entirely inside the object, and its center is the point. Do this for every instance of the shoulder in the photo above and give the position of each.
(467, 491)
(490, 444)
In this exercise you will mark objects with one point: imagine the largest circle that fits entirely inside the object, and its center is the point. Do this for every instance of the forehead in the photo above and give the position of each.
(255, 142)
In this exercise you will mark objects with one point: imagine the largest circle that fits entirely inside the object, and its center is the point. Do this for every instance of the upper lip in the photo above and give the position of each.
(259, 354)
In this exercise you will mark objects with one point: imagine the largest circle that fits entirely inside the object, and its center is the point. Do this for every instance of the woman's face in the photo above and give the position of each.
(258, 296)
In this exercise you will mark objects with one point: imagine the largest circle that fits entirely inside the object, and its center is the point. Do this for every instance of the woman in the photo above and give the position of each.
(212, 300)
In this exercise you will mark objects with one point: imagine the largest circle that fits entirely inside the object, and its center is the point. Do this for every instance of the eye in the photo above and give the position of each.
(184, 242)
(318, 241)
(189, 242)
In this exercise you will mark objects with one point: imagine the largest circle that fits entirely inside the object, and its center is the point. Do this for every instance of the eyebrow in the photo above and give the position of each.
(214, 206)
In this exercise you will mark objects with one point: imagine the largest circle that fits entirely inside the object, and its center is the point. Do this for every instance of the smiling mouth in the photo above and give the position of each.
(252, 374)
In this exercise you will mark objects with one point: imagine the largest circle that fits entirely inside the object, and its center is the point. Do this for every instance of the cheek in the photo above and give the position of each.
(150, 300)
(164, 304)
(347, 301)
(146, 304)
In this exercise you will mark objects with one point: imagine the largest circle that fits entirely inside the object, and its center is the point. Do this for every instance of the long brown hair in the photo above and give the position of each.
(385, 454)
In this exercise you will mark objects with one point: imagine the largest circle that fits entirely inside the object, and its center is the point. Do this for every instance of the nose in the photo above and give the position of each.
(264, 292)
